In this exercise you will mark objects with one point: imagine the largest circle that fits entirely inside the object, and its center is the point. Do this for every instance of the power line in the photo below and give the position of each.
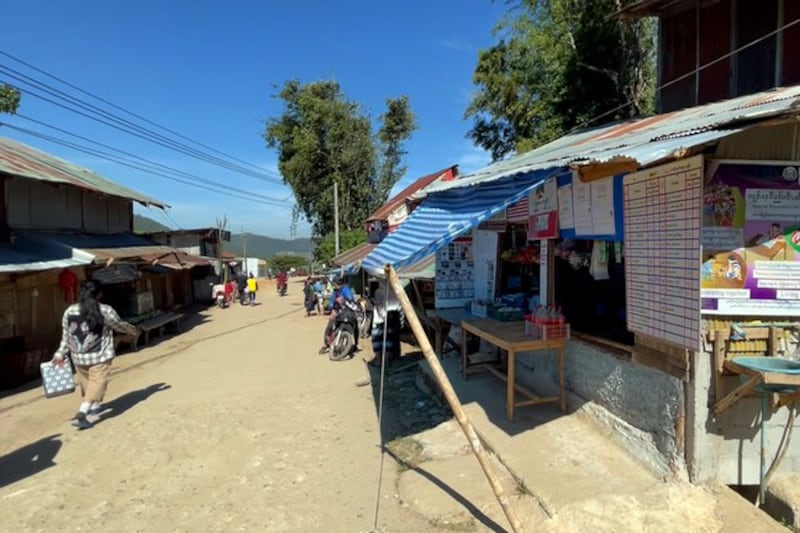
(122, 124)
(689, 74)
(131, 113)
(252, 197)
(148, 162)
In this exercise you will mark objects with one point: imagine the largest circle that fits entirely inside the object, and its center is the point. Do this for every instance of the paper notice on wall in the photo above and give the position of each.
(565, 216)
(544, 198)
(602, 198)
(582, 206)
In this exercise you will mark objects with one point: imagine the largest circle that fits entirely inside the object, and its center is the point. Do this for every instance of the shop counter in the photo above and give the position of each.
(511, 337)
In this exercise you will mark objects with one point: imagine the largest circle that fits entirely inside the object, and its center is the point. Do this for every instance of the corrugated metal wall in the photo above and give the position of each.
(766, 143)
(37, 205)
(715, 42)
(678, 57)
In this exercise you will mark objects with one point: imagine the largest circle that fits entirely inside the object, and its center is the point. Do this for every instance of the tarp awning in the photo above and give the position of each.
(443, 217)
(425, 269)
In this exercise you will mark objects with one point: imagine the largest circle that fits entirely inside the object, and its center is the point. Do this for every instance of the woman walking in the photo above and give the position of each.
(87, 334)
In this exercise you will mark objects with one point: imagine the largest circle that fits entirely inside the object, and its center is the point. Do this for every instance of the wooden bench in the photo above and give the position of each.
(158, 324)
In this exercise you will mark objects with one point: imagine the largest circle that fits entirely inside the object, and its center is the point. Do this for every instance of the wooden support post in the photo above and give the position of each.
(719, 363)
(452, 399)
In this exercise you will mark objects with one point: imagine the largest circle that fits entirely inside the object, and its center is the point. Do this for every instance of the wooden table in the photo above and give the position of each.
(511, 337)
(441, 317)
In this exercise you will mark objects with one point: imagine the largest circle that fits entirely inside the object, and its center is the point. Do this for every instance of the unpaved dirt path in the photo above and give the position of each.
(210, 431)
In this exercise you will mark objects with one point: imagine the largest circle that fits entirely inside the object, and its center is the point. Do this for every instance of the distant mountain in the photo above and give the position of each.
(267, 247)
(147, 225)
(257, 245)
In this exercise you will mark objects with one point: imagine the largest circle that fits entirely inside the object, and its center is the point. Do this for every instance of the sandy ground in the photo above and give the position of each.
(235, 425)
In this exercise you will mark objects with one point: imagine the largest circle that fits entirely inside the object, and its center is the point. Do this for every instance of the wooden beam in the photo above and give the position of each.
(719, 364)
(740, 392)
(452, 399)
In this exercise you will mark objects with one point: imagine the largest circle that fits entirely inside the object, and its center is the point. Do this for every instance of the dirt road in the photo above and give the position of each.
(235, 425)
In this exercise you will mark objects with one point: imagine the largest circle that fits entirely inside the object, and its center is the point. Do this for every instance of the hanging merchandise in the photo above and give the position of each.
(68, 282)
(599, 265)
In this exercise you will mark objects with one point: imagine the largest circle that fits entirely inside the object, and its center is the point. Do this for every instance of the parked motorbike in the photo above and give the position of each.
(343, 341)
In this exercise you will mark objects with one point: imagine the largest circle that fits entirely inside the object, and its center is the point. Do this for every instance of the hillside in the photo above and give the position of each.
(266, 247)
(257, 245)
(143, 224)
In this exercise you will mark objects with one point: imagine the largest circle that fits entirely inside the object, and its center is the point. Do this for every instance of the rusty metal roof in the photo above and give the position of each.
(645, 141)
(21, 160)
(384, 211)
(354, 255)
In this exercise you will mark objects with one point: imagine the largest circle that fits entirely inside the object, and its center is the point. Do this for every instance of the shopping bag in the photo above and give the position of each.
(57, 380)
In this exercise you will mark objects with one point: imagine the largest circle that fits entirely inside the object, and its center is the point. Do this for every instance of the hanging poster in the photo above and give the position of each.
(582, 206)
(662, 248)
(602, 198)
(545, 198)
(751, 240)
(454, 274)
(485, 258)
(565, 216)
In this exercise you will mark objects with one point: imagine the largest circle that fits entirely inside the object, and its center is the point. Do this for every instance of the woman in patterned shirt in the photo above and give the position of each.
(88, 335)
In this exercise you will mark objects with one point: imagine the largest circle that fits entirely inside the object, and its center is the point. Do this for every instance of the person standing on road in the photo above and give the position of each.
(88, 335)
(241, 282)
(252, 288)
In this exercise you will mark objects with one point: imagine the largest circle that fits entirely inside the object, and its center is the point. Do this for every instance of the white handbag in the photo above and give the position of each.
(57, 380)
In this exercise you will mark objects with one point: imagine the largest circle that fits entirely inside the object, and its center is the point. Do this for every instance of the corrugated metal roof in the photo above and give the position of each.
(100, 247)
(21, 160)
(383, 212)
(354, 255)
(15, 258)
(646, 141)
(425, 269)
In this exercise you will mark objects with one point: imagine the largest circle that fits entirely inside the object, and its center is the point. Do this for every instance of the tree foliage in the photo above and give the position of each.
(323, 138)
(284, 262)
(326, 248)
(558, 65)
(9, 99)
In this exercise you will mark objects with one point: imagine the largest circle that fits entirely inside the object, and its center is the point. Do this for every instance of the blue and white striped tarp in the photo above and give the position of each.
(443, 217)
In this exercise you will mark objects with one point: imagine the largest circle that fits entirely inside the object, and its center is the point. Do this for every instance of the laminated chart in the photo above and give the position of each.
(663, 214)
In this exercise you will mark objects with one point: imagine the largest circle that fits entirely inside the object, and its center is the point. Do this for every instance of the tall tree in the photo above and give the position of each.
(558, 65)
(323, 138)
(9, 99)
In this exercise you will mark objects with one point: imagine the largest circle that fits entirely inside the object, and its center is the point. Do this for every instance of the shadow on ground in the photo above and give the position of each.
(127, 401)
(29, 460)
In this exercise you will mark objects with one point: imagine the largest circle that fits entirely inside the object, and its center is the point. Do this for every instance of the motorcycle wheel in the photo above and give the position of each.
(343, 344)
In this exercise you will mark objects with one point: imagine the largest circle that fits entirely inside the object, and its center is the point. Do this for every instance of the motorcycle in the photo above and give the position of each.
(343, 340)
(282, 289)
(218, 295)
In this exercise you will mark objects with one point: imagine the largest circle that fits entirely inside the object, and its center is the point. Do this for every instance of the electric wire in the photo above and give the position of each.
(131, 113)
(146, 161)
(693, 72)
(380, 403)
(242, 195)
(109, 119)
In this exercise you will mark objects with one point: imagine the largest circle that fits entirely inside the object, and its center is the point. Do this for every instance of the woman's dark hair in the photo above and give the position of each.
(89, 303)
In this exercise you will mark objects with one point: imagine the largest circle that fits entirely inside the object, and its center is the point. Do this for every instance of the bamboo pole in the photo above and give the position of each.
(452, 399)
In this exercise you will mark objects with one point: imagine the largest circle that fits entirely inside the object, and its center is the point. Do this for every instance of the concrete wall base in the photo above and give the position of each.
(640, 407)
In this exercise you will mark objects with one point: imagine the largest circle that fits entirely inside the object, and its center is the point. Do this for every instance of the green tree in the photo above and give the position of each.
(323, 138)
(9, 99)
(558, 65)
(284, 262)
(326, 248)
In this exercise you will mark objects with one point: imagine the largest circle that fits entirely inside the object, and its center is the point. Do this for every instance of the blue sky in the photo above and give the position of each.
(208, 70)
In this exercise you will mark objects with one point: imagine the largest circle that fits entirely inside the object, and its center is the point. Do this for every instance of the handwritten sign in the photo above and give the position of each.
(582, 206)
(565, 216)
(603, 206)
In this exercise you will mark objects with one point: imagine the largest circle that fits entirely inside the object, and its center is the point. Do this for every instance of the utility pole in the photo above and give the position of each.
(244, 253)
(336, 216)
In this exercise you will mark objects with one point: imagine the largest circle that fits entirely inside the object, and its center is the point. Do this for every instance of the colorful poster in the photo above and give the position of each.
(751, 240)
(545, 198)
